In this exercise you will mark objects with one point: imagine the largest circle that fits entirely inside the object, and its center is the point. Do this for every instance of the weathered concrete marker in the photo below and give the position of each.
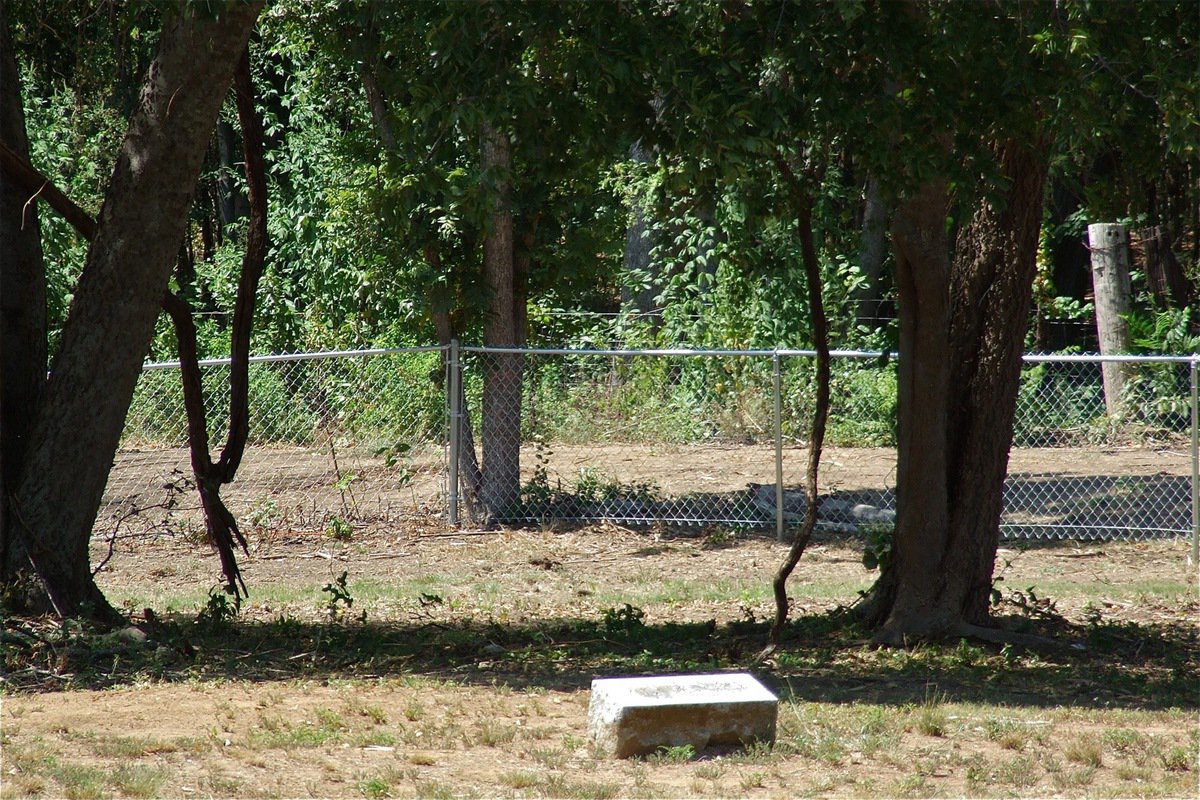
(637, 716)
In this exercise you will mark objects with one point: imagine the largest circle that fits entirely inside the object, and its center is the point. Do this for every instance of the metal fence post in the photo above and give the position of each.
(1195, 557)
(776, 384)
(454, 383)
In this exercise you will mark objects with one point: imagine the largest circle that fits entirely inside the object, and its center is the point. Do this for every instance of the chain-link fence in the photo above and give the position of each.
(336, 440)
(672, 437)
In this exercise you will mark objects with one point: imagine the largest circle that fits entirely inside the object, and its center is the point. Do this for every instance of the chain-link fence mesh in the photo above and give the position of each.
(334, 442)
(641, 437)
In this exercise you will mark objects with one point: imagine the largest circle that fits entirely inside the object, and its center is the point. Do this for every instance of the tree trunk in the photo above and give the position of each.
(962, 326)
(220, 524)
(111, 320)
(872, 252)
(636, 260)
(1168, 283)
(1109, 244)
(816, 308)
(501, 435)
(22, 329)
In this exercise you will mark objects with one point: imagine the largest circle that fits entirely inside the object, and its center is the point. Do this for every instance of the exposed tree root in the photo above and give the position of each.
(941, 629)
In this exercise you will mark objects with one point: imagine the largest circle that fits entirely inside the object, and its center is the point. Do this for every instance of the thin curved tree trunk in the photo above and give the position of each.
(812, 273)
(220, 524)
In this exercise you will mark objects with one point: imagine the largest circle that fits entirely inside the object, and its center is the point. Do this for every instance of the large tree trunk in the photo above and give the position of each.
(501, 435)
(111, 320)
(962, 327)
(22, 328)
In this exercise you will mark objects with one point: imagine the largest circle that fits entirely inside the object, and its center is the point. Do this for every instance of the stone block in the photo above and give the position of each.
(638, 716)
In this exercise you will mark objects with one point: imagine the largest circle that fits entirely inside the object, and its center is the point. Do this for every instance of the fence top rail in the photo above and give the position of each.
(1096, 358)
(1028, 358)
(283, 357)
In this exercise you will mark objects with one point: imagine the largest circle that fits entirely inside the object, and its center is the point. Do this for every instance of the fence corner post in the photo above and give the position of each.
(454, 388)
(776, 389)
(1194, 558)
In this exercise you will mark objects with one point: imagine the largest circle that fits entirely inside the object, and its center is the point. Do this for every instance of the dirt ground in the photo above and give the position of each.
(1091, 489)
(258, 724)
(480, 730)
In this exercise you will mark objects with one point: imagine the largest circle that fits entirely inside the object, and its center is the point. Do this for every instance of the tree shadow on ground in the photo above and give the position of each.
(1037, 506)
(824, 657)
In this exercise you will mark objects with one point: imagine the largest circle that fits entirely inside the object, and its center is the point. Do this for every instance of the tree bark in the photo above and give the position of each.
(501, 435)
(871, 254)
(111, 319)
(22, 327)
(816, 307)
(1168, 283)
(962, 326)
(1109, 245)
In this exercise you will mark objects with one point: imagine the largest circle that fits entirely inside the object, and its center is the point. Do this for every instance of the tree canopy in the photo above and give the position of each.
(506, 172)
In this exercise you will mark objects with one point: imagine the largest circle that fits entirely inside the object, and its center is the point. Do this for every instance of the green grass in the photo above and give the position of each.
(138, 780)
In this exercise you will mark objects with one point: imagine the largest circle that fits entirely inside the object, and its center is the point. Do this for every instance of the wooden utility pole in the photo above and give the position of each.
(1109, 245)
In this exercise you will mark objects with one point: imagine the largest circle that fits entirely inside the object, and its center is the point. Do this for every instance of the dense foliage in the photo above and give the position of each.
(649, 128)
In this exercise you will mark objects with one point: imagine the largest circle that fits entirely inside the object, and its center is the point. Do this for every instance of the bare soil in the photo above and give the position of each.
(485, 643)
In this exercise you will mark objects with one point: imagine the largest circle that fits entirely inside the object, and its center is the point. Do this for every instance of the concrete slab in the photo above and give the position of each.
(638, 716)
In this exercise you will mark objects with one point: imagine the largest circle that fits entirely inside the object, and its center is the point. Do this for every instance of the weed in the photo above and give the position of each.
(128, 747)
(558, 786)
(339, 602)
(493, 734)
(976, 773)
(1073, 778)
(1019, 772)
(931, 716)
(266, 514)
(710, 771)
(78, 782)
(136, 780)
(222, 785)
(374, 788)
(276, 733)
(1084, 750)
(624, 621)
(434, 790)
(220, 610)
(912, 786)
(718, 539)
(551, 758)
(519, 779)
(752, 780)
(678, 754)
(877, 549)
(1178, 759)
(1006, 733)
(1124, 740)
(340, 529)
(331, 720)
